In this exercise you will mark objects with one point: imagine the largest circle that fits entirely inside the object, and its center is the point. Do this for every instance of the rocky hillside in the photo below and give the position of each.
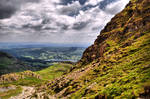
(122, 31)
(117, 65)
(9, 64)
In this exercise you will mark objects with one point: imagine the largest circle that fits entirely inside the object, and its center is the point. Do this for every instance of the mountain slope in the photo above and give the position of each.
(9, 64)
(117, 65)
(122, 30)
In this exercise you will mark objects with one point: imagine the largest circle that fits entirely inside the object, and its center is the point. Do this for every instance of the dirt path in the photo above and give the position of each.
(26, 93)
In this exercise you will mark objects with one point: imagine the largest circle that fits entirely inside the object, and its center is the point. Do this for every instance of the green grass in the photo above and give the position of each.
(123, 80)
(28, 81)
(54, 71)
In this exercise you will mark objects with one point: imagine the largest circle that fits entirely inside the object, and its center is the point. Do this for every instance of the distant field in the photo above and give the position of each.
(47, 53)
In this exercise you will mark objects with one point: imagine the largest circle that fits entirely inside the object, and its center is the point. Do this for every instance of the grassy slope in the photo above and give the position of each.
(121, 75)
(124, 70)
(124, 78)
(54, 71)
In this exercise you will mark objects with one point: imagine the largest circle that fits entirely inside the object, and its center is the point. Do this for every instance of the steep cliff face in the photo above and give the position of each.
(133, 21)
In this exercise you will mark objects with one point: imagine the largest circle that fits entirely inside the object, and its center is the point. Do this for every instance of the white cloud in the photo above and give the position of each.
(93, 2)
(116, 7)
(49, 21)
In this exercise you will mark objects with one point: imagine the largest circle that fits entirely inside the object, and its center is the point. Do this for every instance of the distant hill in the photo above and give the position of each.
(9, 64)
(48, 53)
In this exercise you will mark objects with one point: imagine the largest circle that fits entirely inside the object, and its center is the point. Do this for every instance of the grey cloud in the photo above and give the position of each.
(65, 2)
(104, 3)
(71, 9)
(49, 28)
(65, 27)
(49, 22)
(62, 26)
(9, 7)
(80, 25)
(46, 21)
(70, 12)
(6, 9)
(36, 27)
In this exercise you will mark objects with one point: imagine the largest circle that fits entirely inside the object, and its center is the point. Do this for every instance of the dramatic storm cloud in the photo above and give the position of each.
(55, 21)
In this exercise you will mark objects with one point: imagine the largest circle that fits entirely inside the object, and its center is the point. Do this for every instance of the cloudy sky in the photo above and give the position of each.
(55, 21)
